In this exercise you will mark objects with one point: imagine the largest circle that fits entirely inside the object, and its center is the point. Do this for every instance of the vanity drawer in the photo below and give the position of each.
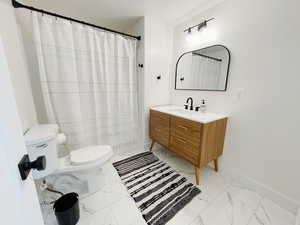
(184, 147)
(186, 128)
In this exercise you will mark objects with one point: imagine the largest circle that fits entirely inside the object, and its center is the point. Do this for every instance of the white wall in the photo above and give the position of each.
(156, 57)
(262, 140)
(19, 202)
(158, 52)
(18, 69)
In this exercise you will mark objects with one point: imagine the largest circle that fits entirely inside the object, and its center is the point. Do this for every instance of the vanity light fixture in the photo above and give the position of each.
(199, 26)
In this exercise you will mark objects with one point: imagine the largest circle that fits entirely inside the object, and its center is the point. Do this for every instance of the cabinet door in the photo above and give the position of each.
(160, 127)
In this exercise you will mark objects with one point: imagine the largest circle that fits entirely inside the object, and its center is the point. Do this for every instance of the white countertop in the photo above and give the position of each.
(179, 111)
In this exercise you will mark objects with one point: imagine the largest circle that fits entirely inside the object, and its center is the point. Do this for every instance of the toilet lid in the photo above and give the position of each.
(89, 154)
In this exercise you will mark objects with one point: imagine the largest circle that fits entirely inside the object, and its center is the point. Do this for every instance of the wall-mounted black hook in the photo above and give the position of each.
(158, 77)
(141, 65)
(182, 79)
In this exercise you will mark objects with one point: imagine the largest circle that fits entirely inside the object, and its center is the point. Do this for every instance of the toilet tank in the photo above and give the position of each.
(41, 140)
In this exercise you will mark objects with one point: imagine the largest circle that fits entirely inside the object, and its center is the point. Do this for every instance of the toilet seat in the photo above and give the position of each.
(88, 158)
(88, 154)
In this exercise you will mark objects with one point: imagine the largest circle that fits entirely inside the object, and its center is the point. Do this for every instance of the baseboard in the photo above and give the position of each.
(280, 199)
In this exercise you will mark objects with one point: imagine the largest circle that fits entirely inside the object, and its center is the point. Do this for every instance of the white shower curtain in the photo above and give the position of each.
(205, 72)
(89, 83)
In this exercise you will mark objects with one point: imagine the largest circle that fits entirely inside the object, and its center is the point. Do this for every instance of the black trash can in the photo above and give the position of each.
(66, 209)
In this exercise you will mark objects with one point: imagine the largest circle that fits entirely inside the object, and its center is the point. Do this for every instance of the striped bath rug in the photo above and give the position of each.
(158, 190)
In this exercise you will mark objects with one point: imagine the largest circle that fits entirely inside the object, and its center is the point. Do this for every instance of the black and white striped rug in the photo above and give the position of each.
(158, 190)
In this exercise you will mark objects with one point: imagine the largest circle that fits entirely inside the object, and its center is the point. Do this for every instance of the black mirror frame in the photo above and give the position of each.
(226, 83)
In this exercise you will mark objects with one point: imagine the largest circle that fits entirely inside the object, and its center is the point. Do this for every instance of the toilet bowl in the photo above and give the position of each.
(86, 165)
(83, 164)
(88, 158)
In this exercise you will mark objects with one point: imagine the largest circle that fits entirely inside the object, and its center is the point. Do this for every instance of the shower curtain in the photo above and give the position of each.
(89, 83)
(205, 72)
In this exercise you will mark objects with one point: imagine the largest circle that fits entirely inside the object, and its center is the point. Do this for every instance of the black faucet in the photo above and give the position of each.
(187, 102)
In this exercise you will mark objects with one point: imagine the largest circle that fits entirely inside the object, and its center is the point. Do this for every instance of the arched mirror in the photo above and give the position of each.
(204, 69)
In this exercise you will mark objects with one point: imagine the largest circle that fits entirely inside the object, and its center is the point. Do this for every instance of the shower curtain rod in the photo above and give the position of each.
(209, 57)
(20, 5)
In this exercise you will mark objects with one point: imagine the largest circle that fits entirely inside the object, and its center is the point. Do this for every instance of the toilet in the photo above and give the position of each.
(83, 164)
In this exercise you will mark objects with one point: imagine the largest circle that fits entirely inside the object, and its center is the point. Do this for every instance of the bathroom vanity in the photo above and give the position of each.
(195, 136)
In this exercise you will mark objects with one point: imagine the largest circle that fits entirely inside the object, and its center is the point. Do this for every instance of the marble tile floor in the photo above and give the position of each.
(222, 201)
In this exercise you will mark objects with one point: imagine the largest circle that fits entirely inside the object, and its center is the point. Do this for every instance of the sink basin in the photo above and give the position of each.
(185, 111)
(189, 114)
(179, 110)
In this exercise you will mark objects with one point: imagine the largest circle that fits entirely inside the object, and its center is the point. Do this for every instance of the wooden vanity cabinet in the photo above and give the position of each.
(199, 143)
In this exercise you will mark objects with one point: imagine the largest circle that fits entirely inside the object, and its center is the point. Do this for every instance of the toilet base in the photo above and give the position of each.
(94, 181)
(85, 183)
(83, 178)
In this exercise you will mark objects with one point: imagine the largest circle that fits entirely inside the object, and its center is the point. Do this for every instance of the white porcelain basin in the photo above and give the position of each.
(185, 112)
(206, 117)
(175, 110)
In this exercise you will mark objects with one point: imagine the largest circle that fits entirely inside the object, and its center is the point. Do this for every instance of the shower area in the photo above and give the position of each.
(85, 80)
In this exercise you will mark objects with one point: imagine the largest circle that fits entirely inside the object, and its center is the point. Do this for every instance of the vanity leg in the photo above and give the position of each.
(216, 164)
(152, 144)
(197, 175)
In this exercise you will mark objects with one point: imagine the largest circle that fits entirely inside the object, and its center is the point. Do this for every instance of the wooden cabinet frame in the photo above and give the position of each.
(199, 143)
